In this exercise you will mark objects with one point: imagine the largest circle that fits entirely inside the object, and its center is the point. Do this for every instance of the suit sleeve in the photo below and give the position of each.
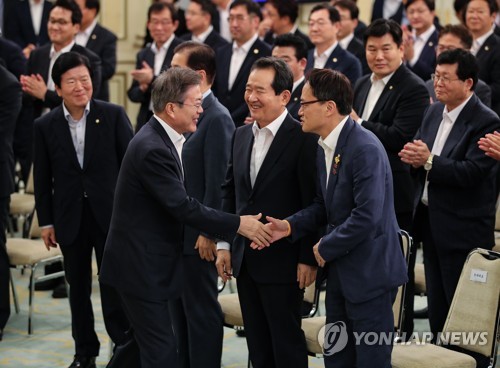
(96, 65)
(354, 72)
(228, 190)
(124, 133)
(42, 175)
(108, 57)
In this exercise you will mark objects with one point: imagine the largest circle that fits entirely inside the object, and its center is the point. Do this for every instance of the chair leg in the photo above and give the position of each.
(14, 292)
(31, 297)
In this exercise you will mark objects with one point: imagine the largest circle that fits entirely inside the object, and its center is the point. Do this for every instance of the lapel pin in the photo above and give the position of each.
(334, 60)
(97, 121)
(94, 36)
(255, 51)
(295, 98)
(391, 87)
(487, 48)
(431, 44)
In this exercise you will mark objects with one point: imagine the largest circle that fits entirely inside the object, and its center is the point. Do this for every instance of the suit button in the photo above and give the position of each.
(85, 195)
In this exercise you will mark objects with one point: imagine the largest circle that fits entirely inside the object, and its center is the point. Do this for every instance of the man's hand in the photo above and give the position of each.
(490, 144)
(279, 229)
(34, 85)
(206, 248)
(253, 229)
(409, 50)
(306, 275)
(248, 120)
(49, 237)
(321, 261)
(27, 50)
(223, 264)
(144, 75)
(415, 153)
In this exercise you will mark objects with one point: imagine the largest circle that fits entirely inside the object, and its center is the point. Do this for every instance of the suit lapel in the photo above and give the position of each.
(244, 150)
(92, 126)
(63, 134)
(226, 54)
(253, 54)
(457, 132)
(93, 39)
(390, 88)
(163, 134)
(362, 96)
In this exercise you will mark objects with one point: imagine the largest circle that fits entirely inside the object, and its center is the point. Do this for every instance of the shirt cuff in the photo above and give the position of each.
(223, 245)
(46, 227)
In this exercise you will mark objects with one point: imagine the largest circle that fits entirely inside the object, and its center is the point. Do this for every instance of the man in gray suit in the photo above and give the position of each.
(197, 316)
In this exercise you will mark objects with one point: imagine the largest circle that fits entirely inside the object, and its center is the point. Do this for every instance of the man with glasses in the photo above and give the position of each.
(235, 60)
(456, 195)
(154, 58)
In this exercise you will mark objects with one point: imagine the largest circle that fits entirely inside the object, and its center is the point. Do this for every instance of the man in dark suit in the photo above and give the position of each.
(78, 151)
(142, 258)
(199, 15)
(10, 105)
(272, 170)
(324, 25)
(283, 14)
(155, 58)
(197, 316)
(99, 40)
(420, 42)
(293, 50)
(361, 250)
(479, 19)
(456, 197)
(26, 24)
(391, 102)
(229, 85)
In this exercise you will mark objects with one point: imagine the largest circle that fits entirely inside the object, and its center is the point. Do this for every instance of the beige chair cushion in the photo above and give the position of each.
(429, 355)
(21, 204)
(28, 252)
(230, 304)
(420, 287)
(311, 328)
(496, 247)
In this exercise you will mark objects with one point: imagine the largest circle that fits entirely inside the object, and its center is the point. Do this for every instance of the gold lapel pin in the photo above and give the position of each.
(94, 36)
(255, 51)
(97, 121)
(391, 87)
(295, 98)
(334, 60)
(487, 48)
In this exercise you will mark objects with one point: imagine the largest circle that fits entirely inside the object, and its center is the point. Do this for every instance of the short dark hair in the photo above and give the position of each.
(207, 6)
(460, 31)
(381, 27)
(76, 13)
(429, 3)
(160, 6)
(251, 7)
(333, 13)
(93, 4)
(199, 57)
(467, 66)
(283, 77)
(171, 86)
(67, 61)
(291, 40)
(492, 5)
(286, 8)
(329, 84)
(350, 6)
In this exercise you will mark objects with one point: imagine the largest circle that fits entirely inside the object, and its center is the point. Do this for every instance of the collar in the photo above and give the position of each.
(165, 46)
(90, 29)
(32, 3)
(327, 52)
(172, 134)
(206, 94)
(425, 35)
(203, 35)
(246, 46)
(386, 79)
(67, 114)
(480, 40)
(273, 126)
(344, 43)
(297, 82)
(61, 51)
(453, 114)
(330, 142)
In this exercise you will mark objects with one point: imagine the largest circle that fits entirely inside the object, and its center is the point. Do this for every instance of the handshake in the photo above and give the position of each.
(263, 235)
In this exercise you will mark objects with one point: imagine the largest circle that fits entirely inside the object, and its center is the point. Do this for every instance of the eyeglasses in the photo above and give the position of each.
(61, 22)
(197, 106)
(305, 103)
(163, 22)
(320, 23)
(445, 80)
(237, 18)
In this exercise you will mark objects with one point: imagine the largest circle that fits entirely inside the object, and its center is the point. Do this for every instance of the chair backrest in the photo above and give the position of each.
(474, 308)
(311, 296)
(398, 307)
(30, 185)
(35, 231)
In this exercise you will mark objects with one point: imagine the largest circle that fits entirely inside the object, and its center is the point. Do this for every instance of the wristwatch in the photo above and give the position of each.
(428, 163)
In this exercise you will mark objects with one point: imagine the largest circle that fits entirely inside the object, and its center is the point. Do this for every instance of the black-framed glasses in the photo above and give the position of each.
(197, 106)
(305, 103)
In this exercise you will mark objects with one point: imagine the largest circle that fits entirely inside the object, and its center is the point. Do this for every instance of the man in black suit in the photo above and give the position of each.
(272, 170)
(391, 102)
(229, 85)
(26, 24)
(154, 58)
(293, 50)
(199, 15)
(197, 316)
(143, 255)
(283, 14)
(324, 25)
(479, 18)
(78, 151)
(10, 105)
(100, 40)
(457, 191)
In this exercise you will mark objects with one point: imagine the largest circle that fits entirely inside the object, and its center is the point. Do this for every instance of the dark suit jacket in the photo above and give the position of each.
(357, 48)
(293, 105)
(426, 63)
(395, 119)
(205, 156)
(10, 105)
(19, 26)
(462, 182)
(134, 92)
(234, 99)
(284, 185)
(488, 58)
(214, 39)
(361, 245)
(269, 38)
(340, 60)
(39, 63)
(482, 91)
(103, 43)
(60, 182)
(143, 250)
(13, 57)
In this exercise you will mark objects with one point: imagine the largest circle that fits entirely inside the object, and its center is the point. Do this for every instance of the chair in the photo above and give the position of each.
(23, 204)
(474, 310)
(31, 254)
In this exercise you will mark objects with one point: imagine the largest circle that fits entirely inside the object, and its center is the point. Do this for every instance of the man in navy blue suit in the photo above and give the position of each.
(355, 202)
(197, 316)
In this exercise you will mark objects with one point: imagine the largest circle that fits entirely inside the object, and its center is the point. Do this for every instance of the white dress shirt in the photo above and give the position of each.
(36, 10)
(77, 130)
(374, 94)
(82, 37)
(176, 138)
(224, 23)
(320, 60)
(478, 42)
(297, 82)
(237, 59)
(329, 144)
(344, 43)
(419, 43)
(203, 35)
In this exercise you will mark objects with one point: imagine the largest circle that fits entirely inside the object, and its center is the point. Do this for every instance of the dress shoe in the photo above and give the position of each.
(81, 361)
(48, 284)
(60, 291)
